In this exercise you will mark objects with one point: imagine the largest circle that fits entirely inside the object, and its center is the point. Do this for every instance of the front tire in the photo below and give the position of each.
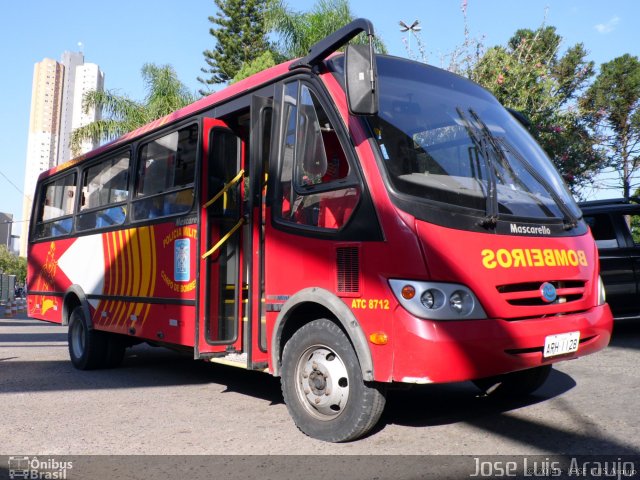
(323, 387)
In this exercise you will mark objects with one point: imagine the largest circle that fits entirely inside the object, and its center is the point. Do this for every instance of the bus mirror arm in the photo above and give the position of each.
(325, 47)
(360, 65)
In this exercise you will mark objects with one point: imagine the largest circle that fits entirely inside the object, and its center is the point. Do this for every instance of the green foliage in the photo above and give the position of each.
(241, 37)
(165, 94)
(298, 31)
(612, 107)
(530, 76)
(11, 264)
(258, 64)
(242, 48)
(634, 226)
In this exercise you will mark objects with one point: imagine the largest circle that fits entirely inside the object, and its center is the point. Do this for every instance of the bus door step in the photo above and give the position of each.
(231, 359)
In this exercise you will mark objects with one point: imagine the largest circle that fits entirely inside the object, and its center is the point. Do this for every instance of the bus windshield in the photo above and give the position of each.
(444, 139)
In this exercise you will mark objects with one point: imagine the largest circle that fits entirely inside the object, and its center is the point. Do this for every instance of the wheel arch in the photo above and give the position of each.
(74, 297)
(310, 304)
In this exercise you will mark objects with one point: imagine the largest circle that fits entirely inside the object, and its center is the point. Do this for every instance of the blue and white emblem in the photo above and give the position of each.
(548, 292)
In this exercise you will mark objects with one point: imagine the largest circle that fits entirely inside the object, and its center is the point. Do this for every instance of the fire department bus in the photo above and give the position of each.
(346, 222)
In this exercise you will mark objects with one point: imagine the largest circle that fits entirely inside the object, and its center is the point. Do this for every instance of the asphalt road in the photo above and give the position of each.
(160, 403)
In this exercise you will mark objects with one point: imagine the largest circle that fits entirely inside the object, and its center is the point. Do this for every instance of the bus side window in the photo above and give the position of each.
(166, 171)
(315, 167)
(291, 112)
(54, 217)
(105, 189)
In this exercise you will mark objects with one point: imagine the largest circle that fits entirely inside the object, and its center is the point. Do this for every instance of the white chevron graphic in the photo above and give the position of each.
(83, 264)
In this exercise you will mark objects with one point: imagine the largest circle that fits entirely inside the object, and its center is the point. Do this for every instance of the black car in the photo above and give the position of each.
(615, 225)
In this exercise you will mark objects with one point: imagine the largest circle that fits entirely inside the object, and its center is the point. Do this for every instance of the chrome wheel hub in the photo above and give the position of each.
(322, 382)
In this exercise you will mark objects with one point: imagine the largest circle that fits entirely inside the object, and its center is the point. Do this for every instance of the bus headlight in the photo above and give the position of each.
(438, 301)
(461, 302)
(602, 295)
(432, 299)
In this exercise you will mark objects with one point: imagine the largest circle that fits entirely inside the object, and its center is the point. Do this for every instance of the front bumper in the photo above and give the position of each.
(451, 351)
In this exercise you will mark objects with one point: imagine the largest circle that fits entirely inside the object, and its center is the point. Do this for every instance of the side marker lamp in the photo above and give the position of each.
(408, 292)
(379, 338)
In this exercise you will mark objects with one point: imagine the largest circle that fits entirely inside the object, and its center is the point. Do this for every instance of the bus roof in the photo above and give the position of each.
(227, 93)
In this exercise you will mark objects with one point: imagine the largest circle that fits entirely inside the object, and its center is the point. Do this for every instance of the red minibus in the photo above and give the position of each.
(346, 222)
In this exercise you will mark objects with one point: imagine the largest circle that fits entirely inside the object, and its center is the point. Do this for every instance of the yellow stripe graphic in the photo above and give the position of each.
(144, 245)
(122, 280)
(111, 258)
(133, 271)
(152, 267)
(130, 270)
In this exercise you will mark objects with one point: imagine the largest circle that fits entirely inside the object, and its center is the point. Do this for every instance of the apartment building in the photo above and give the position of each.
(56, 109)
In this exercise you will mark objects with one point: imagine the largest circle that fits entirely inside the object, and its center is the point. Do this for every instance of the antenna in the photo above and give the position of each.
(413, 28)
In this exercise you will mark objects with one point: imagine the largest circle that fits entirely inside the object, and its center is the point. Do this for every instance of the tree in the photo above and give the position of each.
(264, 61)
(165, 94)
(530, 76)
(11, 264)
(298, 31)
(612, 106)
(241, 37)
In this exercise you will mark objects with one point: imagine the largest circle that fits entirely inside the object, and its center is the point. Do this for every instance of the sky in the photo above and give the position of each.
(122, 35)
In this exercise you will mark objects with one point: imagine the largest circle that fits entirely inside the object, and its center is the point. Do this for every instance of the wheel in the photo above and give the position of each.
(87, 347)
(323, 387)
(514, 384)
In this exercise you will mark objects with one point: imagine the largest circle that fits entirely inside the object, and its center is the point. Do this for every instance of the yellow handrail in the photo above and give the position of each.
(224, 190)
(223, 239)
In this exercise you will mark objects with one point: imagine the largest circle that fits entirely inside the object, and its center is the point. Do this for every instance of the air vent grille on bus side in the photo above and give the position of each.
(528, 294)
(348, 269)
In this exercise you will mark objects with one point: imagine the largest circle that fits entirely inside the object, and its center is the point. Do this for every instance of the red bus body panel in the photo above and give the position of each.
(123, 264)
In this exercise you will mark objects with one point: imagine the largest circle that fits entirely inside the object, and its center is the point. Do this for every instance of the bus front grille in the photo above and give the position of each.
(530, 293)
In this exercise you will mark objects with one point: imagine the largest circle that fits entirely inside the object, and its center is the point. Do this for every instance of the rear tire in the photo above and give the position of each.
(514, 384)
(323, 387)
(87, 347)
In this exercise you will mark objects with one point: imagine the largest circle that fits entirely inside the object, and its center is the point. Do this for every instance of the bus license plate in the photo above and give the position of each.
(561, 344)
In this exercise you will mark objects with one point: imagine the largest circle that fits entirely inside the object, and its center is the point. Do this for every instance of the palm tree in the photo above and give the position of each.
(298, 31)
(165, 94)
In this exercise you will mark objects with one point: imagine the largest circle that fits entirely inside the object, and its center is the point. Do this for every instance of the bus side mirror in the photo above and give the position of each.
(361, 80)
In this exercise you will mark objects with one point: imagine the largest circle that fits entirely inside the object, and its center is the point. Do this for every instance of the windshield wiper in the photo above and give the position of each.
(480, 140)
(569, 221)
